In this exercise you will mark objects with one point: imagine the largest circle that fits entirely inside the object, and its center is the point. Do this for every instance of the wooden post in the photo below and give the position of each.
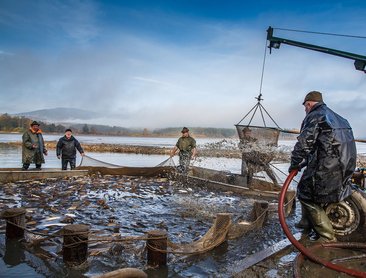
(16, 216)
(75, 245)
(157, 240)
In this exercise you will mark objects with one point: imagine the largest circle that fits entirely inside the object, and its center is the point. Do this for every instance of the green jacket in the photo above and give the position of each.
(186, 144)
(30, 154)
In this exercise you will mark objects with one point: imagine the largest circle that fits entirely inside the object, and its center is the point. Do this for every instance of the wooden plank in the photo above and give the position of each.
(18, 175)
(261, 255)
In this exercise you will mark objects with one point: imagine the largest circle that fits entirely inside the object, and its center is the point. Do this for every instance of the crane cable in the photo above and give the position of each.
(322, 33)
(259, 98)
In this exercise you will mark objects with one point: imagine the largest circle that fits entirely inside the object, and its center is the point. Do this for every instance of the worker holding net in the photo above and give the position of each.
(186, 146)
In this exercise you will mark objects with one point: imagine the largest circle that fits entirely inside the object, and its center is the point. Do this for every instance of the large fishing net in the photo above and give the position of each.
(95, 166)
(258, 146)
(87, 161)
(222, 229)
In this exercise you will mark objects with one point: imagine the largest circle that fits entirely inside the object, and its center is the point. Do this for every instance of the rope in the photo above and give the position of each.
(108, 240)
(247, 114)
(260, 109)
(60, 233)
(270, 117)
(262, 74)
(322, 33)
(282, 172)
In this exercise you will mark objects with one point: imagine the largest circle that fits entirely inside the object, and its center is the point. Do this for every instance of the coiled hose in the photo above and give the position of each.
(306, 252)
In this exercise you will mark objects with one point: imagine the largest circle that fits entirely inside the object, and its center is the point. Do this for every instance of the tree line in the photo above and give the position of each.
(9, 123)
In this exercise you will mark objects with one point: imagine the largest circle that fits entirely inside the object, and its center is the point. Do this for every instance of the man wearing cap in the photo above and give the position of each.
(33, 147)
(326, 147)
(66, 149)
(186, 146)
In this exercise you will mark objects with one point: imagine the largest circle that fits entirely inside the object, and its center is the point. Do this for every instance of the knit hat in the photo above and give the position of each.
(68, 130)
(313, 96)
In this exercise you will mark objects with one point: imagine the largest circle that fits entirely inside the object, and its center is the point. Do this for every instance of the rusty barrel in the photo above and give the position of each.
(75, 244)
(15, 222)
(156, 248)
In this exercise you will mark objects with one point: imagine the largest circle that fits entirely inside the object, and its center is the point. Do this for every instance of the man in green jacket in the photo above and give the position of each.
(186, 146)
(33, 147)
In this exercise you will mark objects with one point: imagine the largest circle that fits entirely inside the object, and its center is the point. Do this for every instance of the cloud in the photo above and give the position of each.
(51, 22)
(137, 79)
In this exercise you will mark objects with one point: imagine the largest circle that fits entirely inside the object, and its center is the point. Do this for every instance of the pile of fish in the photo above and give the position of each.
(117, 206)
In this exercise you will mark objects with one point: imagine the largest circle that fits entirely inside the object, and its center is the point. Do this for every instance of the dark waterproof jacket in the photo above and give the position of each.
(327, 145)
(67, 147)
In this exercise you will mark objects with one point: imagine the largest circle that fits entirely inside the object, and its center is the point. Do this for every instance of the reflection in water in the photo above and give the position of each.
(14, 252)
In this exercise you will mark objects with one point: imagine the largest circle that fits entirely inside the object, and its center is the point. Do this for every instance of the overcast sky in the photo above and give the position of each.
(179, 63)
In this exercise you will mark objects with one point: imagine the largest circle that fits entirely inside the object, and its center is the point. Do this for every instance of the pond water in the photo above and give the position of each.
(10, 156)
(198, 266)
(99, 139)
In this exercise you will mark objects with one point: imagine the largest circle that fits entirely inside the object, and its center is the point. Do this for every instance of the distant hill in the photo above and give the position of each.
(60, 114)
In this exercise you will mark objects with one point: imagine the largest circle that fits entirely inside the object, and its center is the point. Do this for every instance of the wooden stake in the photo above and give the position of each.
(75, 245)
(17, 217)
(157, 241)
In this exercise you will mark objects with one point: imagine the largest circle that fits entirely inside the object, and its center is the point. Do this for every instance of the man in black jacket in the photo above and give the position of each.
(66, 149)
(326, 146)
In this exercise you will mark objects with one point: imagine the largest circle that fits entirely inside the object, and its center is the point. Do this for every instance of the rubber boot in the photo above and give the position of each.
(320, 221)
(304, 222)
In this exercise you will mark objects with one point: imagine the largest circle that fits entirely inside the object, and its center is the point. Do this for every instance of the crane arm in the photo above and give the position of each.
(275, 42)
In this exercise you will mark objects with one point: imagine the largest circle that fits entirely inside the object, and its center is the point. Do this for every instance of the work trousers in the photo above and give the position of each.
(26, 166)
(184, 160)
(65, 161)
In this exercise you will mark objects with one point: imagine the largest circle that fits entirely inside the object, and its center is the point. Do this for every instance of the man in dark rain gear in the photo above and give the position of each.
(187, 149)
(33, 147)
(326, 145)
(66, 149)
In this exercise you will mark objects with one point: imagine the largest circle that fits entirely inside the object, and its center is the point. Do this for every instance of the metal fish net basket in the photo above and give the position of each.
(263, 136)
(258, 144)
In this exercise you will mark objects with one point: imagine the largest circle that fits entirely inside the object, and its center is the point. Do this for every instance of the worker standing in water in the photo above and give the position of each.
(186, 146)
(326, 145)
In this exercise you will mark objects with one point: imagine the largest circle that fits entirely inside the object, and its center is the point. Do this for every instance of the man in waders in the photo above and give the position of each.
(66, 149)
(186, 146)
(33, 147)
(327, 147)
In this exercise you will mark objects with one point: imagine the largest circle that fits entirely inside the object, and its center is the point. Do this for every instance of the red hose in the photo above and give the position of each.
(298, 245)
